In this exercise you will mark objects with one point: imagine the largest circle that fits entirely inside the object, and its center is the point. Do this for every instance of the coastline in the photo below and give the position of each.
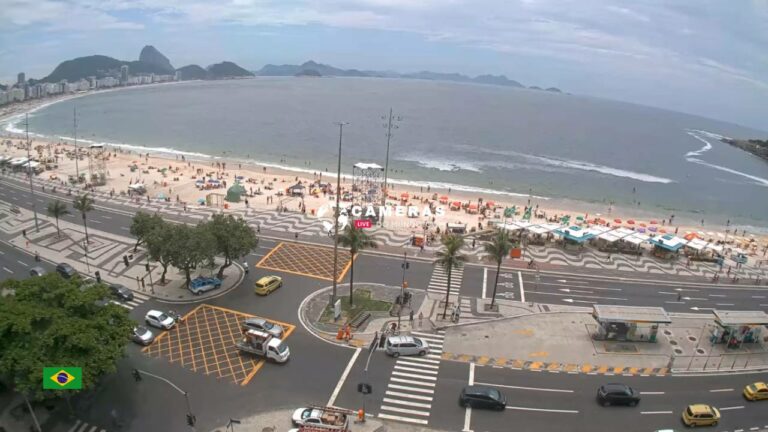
(253, 168)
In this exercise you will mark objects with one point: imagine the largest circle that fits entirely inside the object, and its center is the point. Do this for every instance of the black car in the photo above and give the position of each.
(65, 270)
(121, 292)
(617, 394)
(482, 397)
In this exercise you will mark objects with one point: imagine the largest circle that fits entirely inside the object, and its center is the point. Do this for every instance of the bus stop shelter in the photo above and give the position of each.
(629, 323)
(735, 328)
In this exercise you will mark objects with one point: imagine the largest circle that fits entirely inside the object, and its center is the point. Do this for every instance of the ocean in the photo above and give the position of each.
(480, 138)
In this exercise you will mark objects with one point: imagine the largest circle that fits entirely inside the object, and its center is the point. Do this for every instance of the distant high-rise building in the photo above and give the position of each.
(21, 79)
(124, 74)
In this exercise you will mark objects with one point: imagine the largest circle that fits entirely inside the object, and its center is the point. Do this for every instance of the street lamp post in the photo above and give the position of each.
(231, 424)
(191, 419)
(404, 266)
(336, 215)
(77, 152)
(389, 125)
(29, 172)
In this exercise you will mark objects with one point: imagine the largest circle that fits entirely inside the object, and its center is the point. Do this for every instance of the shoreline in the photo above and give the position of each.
(464, 193)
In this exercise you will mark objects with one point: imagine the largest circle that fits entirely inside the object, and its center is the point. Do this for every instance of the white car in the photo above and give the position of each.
(306, 416)
(158, 319)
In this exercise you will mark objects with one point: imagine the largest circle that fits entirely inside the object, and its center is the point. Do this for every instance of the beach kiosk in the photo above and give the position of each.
(235, 192)
(296, 190)
(735, 328)
(628, 323)
(666, 246)
(574, 235)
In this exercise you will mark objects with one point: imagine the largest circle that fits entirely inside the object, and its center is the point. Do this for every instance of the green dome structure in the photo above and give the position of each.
(235, 192)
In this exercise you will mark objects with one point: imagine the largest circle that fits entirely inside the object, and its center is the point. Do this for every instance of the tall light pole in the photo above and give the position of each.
(336, 215)
(390, 124)
(191, 419)
(29, 171)
(77, 152)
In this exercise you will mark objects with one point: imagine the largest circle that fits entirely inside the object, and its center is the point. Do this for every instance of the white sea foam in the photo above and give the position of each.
(706, 148)
(442, 164)
(758, 180)
(690, 156)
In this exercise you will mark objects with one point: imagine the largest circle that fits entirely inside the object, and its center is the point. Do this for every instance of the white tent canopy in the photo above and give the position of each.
(636, 238)
(543, 228)
(697, 244)
(365, 166)
(615, 235)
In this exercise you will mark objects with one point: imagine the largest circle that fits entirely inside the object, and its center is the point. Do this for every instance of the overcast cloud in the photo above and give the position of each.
(707, 57)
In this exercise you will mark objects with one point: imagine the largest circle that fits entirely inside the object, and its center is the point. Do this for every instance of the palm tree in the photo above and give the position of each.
(57, 209)
(83, 204)
(497, 249)
(449, 258)
(356, 240)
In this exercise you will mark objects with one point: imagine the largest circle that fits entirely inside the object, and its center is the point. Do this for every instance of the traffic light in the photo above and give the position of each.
(191, 419)
(146, 266)
(136, 375)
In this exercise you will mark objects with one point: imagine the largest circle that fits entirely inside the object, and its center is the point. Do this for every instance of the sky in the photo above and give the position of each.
(705, 57)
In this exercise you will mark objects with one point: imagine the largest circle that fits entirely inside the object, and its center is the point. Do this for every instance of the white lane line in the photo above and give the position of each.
(724, 304)
(522, 291)
(423, 360)
(343, 378)
(413, 389)
(8, 270)
(758, 297)
(405, 411)
(2, 253)
(542, 410)
(77, 423)
(721, 390)
(427, 335)
(29, 202)
(410, 381)
(408, 363)
(22, 263)
(655, 412)
(651, 393)
(402, 419)
(665, 292)
(526, 388)
(468, 409)
(408, 403)
(731, 408)
(674, 302)
(717, 295)
(410, 375)
(125, 228)
(408, 395)
(106, 217)
(95, 221)
(485, 280)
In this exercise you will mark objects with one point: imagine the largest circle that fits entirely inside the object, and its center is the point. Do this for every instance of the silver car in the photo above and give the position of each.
(406, 345)
(142, 335)
(261, 324)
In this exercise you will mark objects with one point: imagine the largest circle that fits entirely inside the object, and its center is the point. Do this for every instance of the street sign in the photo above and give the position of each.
(337, 309)
(364, 388)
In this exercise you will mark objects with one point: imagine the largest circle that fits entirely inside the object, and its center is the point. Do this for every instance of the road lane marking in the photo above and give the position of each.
(721, 390)
(407, 395)
(526, 388)
(106, 217)
(402, 419)
(413, 389)
(125, 228)
(665, 292)
(522, 291)
(468, 409)
(758, 297)
(22, 263)
(731, 408)
(405, 411)
(724, 304)
(8, 270)
(485, 280)
(410, 375)
(651, 393)
(674, 302)
(343, 377)
(95, 221)
(412, 382)
(543, 410)
(655, 412)
(408, 403)
(580, 295)
(408, 363)
(717, 295)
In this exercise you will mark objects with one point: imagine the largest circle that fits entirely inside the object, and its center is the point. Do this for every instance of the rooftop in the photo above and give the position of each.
(736, 318)
(630, 314)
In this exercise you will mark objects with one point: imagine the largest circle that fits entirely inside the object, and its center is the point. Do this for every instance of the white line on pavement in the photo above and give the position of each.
(125, 228)
(2, 253)
(343, 378)
(522, 291)
(468, 409)
(543, 410)
(717, 295)
(664, 292)
(95, 221)
(731, 408)
(405, 411)
(526, 388)
(651, 393)
(402, 419)
(407, 403)
(407, 395)
(721, 390)
(674, 302)
(410, 375)
(22, 263)
(758, 297)
(485, 280)
(408, 363)
(412, 382)
(106, 217)
(8, 270)
(655, 412)
(724, 304)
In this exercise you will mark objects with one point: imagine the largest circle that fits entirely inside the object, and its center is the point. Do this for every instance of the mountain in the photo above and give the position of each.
(427, 75)
(322, 69)
(226, 70)
(496, 80)
(554, 90)
(279, 70)
(308, 73)
(81, 67)
(151, 55)
(192, 72)
(535, 88)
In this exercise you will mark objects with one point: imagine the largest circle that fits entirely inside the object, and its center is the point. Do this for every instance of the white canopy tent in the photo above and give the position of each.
(543, 228)
(636, 238)
(615, 235)
(697, 244)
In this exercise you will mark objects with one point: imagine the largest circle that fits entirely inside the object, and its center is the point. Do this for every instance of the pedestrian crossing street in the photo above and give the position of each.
(411, 386)
(81, 426)
(438, 284)
(138, 299)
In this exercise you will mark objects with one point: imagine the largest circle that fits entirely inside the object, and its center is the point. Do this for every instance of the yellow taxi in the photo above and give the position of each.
(756, 391)
(701, 415)
(267, 284)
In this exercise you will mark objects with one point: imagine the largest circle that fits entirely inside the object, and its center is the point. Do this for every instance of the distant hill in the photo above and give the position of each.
(308, 73)
(293, 70)
(192, 72)
(554, 90)
(226, 70)
(496, 80)
(151, 55)
(757, 147)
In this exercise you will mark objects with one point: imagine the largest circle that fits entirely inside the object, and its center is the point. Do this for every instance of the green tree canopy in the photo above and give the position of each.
(57, 209)
(51, 321)
(143, 224)
(356, 240)
(83, 203)
(234, 238)
(194, 246)
(163, 246)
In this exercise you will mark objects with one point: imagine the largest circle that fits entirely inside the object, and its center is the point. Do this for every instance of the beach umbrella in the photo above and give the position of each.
(579, 218)
(641, 230)
(618, 221)
(490, 203)
(643, 225)
(631, 221)
(652, 229)
(654, 222)
(663, 231)
(690, 236)
(201, 200)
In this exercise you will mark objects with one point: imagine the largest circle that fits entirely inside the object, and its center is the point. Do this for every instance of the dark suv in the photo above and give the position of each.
(617, 394)
(65, 270)
(482, 397)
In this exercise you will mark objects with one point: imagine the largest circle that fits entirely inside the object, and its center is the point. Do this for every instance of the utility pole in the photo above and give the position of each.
(29, 171)
(77, 152)
(404, 266)
(191, 419)
(336, 216)
(389, 125)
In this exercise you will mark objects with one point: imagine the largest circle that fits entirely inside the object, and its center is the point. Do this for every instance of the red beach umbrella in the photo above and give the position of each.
(618, 221)
(631, 221)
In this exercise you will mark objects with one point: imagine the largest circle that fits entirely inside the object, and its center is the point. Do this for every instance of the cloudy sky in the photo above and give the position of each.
(707, 57)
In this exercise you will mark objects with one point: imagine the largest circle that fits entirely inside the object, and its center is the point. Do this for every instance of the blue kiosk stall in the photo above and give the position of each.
(666, 246)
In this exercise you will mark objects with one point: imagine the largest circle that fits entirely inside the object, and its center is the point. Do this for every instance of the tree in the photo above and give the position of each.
(83, 203)
(234, 238)
(48, 321)
(497, 249)
(193, 246)
(449, 258)
(356, 240)
(162, 246)
(57, 209)
(142, 225)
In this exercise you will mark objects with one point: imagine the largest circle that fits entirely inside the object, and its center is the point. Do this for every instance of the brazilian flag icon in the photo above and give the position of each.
(62, 378)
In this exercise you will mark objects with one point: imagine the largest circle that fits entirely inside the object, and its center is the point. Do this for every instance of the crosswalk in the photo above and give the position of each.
(81, 426)
(411, 386)
(438, 284)
(138, 299)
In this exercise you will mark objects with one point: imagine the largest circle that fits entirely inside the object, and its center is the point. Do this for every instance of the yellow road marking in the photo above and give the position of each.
(346, 269)
(253, 372)
(483, 360)
(202, 346)
(519, 364)
(535, 365)
(647, 371)
(269, 254)
(586, 368)
(553, 366)
(215, 356)
(633, 370)
(500, 361)
(618, 369)
(603, 369)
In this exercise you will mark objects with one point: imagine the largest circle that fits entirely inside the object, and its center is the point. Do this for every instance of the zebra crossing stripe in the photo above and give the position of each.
(77, 423)
(423, 360)
(407, 395)
(405, 411)
(427, 335)
(410, 369)
(408, 403)
(403, 419)
(413, 389)
(409, 381)
(409, 363)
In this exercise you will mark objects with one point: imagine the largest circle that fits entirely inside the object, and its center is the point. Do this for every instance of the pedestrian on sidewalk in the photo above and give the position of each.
(410, 318)
(474, 242)
(421, 318)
